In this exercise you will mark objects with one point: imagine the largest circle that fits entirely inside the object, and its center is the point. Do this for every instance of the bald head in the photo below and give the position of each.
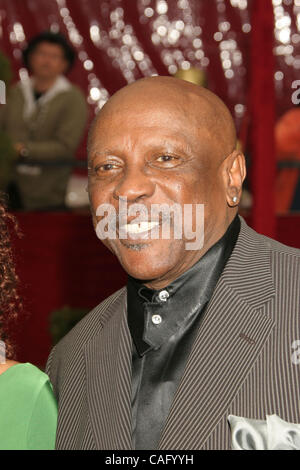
(199, 106)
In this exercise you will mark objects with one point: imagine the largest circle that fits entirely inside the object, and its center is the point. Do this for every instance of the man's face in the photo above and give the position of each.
(47, 61)
(155, 154)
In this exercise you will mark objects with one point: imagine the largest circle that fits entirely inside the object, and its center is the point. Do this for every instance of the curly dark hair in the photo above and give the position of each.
(10, 302)
(53, 38)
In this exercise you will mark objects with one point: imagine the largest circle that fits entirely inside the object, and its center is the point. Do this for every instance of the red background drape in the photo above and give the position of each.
(119, 41)
(262, 112)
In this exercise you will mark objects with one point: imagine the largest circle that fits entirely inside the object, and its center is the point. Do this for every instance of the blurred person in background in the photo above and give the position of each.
(28, 410)
(193, 75)
(45, 117)
(287, 138)
(7, 153)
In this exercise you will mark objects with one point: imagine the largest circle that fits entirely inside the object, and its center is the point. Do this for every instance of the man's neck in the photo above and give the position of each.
(193, 258)
(42, 85)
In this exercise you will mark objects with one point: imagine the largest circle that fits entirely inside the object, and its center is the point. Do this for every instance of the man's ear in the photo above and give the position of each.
(234, 174)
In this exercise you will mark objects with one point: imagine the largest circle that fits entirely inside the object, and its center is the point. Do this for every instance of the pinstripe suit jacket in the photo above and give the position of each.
(240, 363)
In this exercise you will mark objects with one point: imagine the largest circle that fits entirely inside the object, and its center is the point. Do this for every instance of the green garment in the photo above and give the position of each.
(28, 409)
(51, 135)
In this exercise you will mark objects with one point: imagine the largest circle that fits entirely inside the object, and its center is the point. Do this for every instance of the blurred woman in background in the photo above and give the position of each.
(287, 139)
(28, 410)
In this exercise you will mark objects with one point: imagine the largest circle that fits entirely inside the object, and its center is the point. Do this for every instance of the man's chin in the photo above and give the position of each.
(135, 245)
(145, 260)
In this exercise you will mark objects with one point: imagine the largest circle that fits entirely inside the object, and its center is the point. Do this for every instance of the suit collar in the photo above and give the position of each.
(61, 84)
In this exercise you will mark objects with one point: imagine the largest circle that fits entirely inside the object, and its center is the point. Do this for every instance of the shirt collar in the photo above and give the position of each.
(155, 315)
(30, 104)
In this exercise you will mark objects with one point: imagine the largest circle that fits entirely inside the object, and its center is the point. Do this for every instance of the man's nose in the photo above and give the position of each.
(135, 185)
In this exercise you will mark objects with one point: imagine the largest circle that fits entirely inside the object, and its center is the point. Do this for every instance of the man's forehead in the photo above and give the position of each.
(152, 115)
(171, 102)
(162, 112)
(147, 139)
(153, 127)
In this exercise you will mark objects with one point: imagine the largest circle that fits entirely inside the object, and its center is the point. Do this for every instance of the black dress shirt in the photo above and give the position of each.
(163, 325)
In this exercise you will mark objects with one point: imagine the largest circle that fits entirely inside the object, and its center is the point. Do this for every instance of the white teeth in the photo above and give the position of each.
(140, 228)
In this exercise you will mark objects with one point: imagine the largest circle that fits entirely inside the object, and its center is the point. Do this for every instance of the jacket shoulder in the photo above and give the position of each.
(89, 326)
(15, 91)
(280, 249)
(75, 93)
(268, 243)
(93, 322)
(278, 261)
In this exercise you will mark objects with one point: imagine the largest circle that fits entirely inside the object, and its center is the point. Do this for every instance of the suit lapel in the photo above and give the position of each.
(232, 334)
(108, 369)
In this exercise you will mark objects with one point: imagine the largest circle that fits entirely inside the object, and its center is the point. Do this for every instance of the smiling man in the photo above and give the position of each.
(163, 362)
(176, 152)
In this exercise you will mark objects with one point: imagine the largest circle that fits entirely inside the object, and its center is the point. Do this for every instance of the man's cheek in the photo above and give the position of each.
(110, 244)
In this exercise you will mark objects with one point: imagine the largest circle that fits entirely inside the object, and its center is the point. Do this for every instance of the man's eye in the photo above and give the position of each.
(165, 158)
(106, 167)
(166, 161)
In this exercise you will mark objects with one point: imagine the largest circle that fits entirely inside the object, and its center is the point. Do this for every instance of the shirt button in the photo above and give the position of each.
(156, 319)
(163, 295)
